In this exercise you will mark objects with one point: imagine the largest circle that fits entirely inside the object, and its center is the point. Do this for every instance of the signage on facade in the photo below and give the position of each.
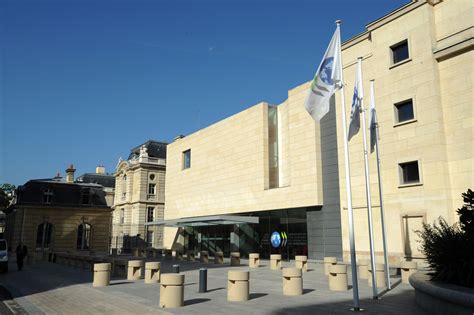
(278, 239)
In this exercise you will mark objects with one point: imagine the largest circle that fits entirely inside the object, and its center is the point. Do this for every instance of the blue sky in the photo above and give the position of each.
(83, 82)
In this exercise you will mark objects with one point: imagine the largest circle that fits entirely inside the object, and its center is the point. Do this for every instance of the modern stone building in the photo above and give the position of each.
(274, 165)
(139, 197)
(61, 215)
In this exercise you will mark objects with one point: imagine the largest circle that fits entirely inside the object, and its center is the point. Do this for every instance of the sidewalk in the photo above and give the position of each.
(47, 288)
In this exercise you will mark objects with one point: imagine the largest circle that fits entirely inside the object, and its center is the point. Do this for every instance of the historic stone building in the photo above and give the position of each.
(61, 215)
(139, 197)
(274, 164)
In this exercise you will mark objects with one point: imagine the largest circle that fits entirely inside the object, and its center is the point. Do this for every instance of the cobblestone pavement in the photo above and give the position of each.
(46, 288)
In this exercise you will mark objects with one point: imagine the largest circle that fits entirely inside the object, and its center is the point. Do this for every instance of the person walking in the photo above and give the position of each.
(21, 251)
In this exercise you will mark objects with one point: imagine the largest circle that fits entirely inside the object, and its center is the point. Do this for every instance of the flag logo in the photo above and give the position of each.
(326, 71)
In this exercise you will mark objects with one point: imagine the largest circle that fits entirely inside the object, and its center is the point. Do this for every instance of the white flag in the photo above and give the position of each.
(326, 80)
(354, 124)
(373, 120)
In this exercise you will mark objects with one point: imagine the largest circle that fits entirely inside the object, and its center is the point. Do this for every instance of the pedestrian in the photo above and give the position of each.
(20, 255)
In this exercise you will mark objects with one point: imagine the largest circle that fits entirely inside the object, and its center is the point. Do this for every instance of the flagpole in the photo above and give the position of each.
(355, 285)
(367, 188)
(382, 210)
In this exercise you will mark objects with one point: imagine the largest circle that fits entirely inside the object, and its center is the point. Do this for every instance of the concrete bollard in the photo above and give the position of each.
(292, 281)
(152, 272)
(338, 278)
(235, 259)
(238, 286)
(327, 262)
(254, 260)
(219, 258)
(379, 275)
(204, 257)
(101, 275)
(301, 262)
(408, 268)
(171, 290)
(362, 268)
(191, 256)
(275, 262)
(135, 268)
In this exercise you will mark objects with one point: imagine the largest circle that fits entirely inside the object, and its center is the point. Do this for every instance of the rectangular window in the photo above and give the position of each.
(399, 52)
(404, 111)
(150, 214)
(151, 189)
(149, 238)
(122, 216)
(273, 171)
(186, 159)
(409, 173)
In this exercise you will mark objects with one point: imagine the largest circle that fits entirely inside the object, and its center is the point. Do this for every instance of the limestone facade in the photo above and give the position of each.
(139, 197)
(229, 169)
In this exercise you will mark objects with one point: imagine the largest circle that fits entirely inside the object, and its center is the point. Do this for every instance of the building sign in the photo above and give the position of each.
(278, 239)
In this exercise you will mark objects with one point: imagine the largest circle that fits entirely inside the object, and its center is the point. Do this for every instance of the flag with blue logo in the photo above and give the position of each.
(373, 121)
(354, 124)
(326, 80)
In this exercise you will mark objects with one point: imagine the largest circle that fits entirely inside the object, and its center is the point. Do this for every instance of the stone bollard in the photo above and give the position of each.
(327, 262)
(235, 259)
(275, 262)
(292, 281)
(101, 275)
(338, 278)
(135, 268)
(254, 260)
(362, 268)
(379, 275)
(191, 256)
(408, 268)
(152, 272)
(204, 257)
(171, 290)
(238, 285)
(219, 258)
(301, 262)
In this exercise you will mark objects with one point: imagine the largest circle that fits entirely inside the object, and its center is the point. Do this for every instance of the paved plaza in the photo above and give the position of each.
(47, 288)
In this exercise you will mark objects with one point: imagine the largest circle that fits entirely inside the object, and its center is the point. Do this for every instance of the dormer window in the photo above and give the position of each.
(86, 197)
(47, 195)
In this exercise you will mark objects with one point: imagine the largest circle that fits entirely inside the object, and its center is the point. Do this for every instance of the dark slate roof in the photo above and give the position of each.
(106, 180)
(156, 149)
(64, 194)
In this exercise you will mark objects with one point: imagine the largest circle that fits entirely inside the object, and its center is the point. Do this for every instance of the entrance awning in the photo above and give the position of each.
(206, 220)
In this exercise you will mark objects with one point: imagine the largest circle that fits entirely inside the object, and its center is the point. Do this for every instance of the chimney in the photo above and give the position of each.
(100, 169)
(70, 174)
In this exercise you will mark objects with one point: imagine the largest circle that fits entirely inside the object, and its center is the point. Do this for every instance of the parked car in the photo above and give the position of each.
(3, 255)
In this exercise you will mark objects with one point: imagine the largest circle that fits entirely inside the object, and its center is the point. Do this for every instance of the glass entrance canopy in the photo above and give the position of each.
(206, 221)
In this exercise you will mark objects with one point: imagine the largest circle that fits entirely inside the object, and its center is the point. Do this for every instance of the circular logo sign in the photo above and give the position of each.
(326, 71)
(275, 239)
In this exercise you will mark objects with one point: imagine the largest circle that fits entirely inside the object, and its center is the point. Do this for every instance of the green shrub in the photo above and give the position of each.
(449, 250)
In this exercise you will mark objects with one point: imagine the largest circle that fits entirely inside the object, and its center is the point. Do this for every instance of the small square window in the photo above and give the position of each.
(400, 52)
(409, 173)
(404, 111)
(186, 159)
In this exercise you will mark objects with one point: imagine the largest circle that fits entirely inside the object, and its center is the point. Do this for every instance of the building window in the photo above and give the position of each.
(150, 214)
(149, 238)
(404, 111)
(86, 197)
(47, 196)
(186, 159)
(43, 236)
(409, 173)
(400, 52)
(122, 216)
(151, 189)
(83, 236)
(273, 171)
